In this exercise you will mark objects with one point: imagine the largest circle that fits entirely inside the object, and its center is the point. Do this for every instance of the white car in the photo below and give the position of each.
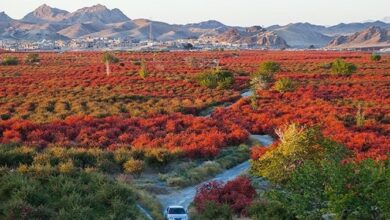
(175, 213)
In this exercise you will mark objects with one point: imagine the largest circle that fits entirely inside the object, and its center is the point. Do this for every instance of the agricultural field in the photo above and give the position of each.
(143, 124)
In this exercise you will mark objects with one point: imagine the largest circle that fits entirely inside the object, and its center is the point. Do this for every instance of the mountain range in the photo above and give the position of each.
(50, 23)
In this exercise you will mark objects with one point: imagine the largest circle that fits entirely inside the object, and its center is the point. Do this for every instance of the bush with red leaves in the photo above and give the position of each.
(238, 194)
(192, 136)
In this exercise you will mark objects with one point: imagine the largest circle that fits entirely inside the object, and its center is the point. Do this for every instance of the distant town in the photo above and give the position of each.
(101, 43)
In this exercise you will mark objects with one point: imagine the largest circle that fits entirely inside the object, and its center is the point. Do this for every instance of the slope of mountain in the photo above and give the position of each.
(210, 24)
(371, 37)
(351, 28)
(254, 36)
(44, 14)
(97, 14)
(4, 18)
(78, 30)
(5, 22)
(302, 35)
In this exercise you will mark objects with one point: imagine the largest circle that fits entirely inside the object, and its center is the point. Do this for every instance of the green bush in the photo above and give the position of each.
(12, 157)
(269, 67)
(221, 79)
(143, 72)
(269, 210)
(214, 211)
(158, 157)
(5, 116)
(284, 85)
(376, 57)
(340, 67)
(134, 167)
(83, 159)
(76, 196)
(10, 61)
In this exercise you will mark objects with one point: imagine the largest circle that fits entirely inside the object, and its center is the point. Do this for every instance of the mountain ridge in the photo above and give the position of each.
(50, 23)
(371, 37)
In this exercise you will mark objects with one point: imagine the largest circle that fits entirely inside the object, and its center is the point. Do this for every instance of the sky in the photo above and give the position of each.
(230, 12)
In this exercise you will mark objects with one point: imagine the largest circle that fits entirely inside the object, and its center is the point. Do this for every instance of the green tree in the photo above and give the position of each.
(340, 67)
(264, 76)
(325, 184)
(347, 191)
(297, 145)
(358, 190)
(109, 58)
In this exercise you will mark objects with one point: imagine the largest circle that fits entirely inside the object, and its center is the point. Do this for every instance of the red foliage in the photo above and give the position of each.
(326, 100)
(257, 152)
(238, 194)
(75, 84)
(195, 136)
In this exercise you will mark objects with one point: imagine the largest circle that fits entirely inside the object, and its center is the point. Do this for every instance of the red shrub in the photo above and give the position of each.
(238, 194)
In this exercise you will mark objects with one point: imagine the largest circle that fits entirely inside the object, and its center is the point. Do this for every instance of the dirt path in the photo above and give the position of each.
(185, 196)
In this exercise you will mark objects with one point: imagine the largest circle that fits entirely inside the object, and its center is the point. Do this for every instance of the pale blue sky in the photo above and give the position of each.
(231, 12)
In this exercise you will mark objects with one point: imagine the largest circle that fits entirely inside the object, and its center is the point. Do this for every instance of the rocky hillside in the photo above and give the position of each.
(302, 35)
(371, 37)
(253, 36)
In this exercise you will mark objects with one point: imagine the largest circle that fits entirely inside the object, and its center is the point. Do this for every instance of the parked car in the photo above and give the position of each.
(175, 213)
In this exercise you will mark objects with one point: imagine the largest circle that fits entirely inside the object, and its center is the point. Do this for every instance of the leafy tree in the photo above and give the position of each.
(346, 190)
(264, 75)
(360, 117)
(109, 58)
(10, 61)
(358, 190)
(376, 57)
(322, 182)
(340, 67)
(297, 145)
(284, 85)
(32, 58)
